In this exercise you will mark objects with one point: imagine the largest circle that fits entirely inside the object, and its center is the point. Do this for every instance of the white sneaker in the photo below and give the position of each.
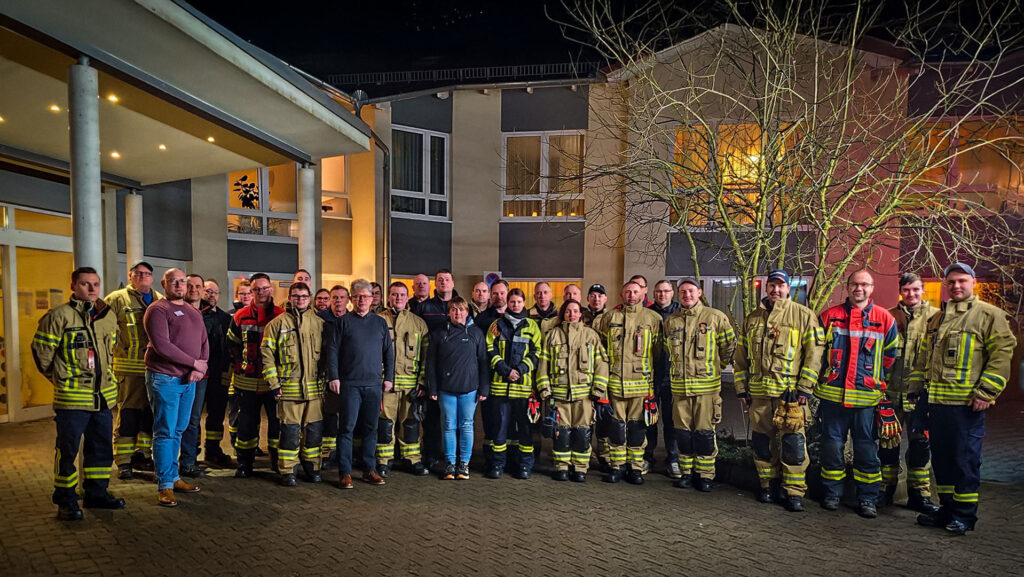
(647, 467)
(674, 471)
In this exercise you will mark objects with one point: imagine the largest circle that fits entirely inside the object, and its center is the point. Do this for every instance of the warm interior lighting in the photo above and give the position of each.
(115, 154)
(754, 157)
(209, 139)
(559, 213)
(162, 147)
(113, 98)
(1, 118)
(534, 213)
(511, 214)
(54, 108)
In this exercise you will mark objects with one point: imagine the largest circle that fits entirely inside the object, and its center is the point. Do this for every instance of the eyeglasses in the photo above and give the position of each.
(361, 297)
(261, 289)
(299, 297)
(177, 280)
(142, 273)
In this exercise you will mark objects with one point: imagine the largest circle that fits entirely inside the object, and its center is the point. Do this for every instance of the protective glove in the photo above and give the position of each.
(533, 408)
(888, 426)
(650, 411)
(549, 427)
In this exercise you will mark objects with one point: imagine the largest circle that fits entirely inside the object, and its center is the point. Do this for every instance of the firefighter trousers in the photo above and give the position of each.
(629, 434)
(778, 455)
(134, 428)
(695, 418)
(97, 454)
(301, 433)
(249, 405)
(571, 445)
(397, 423)
(957, 432)
(918, 454)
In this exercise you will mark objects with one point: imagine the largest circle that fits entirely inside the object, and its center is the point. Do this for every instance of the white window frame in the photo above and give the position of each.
(264, 213)
(426, 195)
(545, 157)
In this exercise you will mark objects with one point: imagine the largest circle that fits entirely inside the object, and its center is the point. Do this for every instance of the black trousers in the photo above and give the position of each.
(98, 453)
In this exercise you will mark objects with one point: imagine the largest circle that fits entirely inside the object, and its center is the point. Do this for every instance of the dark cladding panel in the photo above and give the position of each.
(556, 108)
(269, 257)
(420, 246)
(714, 255)
(426, 112)
(166, 220)
(24, 187)
(541, 250)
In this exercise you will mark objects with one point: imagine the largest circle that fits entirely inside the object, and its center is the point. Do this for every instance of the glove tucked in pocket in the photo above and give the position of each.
(889, 430)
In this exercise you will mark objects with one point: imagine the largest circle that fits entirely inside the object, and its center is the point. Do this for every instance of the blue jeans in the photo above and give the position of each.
(171, 400)
(836, 421)
(358, 405)
(457, 424)
(190, 438)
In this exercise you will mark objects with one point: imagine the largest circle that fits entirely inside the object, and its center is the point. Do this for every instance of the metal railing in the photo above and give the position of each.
(465, 75)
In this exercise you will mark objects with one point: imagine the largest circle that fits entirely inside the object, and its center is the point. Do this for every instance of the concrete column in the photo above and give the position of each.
(84, 127)
(133, 244)
(309, 206)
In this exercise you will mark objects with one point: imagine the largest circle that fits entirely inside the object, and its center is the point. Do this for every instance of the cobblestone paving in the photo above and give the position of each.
(423, 526)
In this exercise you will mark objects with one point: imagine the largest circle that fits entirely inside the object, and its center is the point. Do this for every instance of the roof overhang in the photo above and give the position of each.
(179, 80)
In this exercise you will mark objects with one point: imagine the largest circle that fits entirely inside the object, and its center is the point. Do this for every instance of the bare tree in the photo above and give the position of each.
(820, 140)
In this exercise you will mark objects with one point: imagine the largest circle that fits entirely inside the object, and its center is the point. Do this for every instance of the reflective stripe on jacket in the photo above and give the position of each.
(61, 346)
(632, 338)
(573, 364)
(290, 349)
(699, 343)
(966, 352)
(778, 349)
(912, 325)
(409, 334)
(244, 338)
(128, 307)
(861, 348)
(513, 348)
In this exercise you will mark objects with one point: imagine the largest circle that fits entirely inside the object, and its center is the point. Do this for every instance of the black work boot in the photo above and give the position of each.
(794, 503)
(886, 496)
(312, 474)
(918, 502)
(69, 512)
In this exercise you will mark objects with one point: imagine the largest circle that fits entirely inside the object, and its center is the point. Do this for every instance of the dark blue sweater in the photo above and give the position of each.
(359, 351)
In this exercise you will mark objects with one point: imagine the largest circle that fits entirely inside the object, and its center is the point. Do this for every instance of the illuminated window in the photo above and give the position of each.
(543, 175)
(262, 202)
(419, 173)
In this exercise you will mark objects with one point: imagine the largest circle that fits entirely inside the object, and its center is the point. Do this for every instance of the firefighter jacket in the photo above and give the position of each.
(573, 364)
(911, 325)
(409, 334)
(291, 355)
(860, 350)
(699, 343)
(778, 348)
(632, 338)
(513, 348)
(244, 338)
(965, 353)
(128, 307)
(74, 348)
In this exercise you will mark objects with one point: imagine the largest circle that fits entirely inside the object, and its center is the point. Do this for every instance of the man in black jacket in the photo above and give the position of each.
(664, 304)
(217, 322)
(360, 355)
(435, 313)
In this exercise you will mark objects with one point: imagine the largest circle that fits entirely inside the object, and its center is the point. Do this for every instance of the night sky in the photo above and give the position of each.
(347, 36)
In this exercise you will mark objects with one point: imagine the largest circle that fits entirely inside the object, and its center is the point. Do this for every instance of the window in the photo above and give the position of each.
(262, 202)
(419, 173)
(543, 175)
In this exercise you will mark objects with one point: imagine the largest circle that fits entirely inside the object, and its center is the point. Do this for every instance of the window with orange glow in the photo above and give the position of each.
(543, 175)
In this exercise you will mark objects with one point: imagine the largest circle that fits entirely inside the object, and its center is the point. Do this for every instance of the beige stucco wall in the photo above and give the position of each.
(476, 166)
(209, 229)
(362, 174)
(603, 246)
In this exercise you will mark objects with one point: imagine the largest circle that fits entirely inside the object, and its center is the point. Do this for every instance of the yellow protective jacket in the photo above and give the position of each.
(632, 338)
(912, 325)
(409, 334)
(61, 348)
(965, 353)
(291, 355)
(573, 364)
(128, 307)
(513, 348)
(778, 350)
(699, 343)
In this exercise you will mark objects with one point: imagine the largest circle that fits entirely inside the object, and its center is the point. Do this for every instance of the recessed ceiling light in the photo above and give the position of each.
(209, 139)
(115, 154)
(162, 147)
(54, 108)
(113, 98)
(1, 118)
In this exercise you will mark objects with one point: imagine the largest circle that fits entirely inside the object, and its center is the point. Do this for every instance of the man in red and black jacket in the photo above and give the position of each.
(243, 341)
(861, 346)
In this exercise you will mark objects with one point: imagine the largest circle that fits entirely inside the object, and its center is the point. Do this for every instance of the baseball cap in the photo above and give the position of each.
(779, 275)
(143, 264)
(597, 288)
(690, 280)
(959, 267)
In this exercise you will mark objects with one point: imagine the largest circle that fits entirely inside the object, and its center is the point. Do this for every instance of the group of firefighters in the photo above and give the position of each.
(576, 374)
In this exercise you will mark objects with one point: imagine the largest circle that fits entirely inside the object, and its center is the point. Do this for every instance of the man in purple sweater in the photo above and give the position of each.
(176, 358)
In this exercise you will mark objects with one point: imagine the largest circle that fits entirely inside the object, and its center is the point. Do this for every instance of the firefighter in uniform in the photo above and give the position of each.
(861, 345)
(244, 338)
(73, 348)
(632, 337)
(409, 335)
(962, 367)
(291, 366)
(699, 342)
(134, 431)
(778, 354)
(573, 370)
(912, 315)
(513, 344)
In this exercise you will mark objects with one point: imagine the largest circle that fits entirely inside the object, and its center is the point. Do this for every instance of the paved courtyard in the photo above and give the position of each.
(423, 526)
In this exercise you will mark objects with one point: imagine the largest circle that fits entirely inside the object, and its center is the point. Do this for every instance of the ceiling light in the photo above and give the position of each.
(162, 147)
(113, 98)
(54, 108)
(115, 154)
(209, 139)
(1, 118)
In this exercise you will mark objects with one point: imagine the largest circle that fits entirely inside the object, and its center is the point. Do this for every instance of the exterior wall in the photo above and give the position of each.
(35, 190)
(363, 174)
(209, 222)
(558, 108)
(426, 112)
(166, 219)
(603, 252)
(476, 166)
(420, 246)
(541, 250)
